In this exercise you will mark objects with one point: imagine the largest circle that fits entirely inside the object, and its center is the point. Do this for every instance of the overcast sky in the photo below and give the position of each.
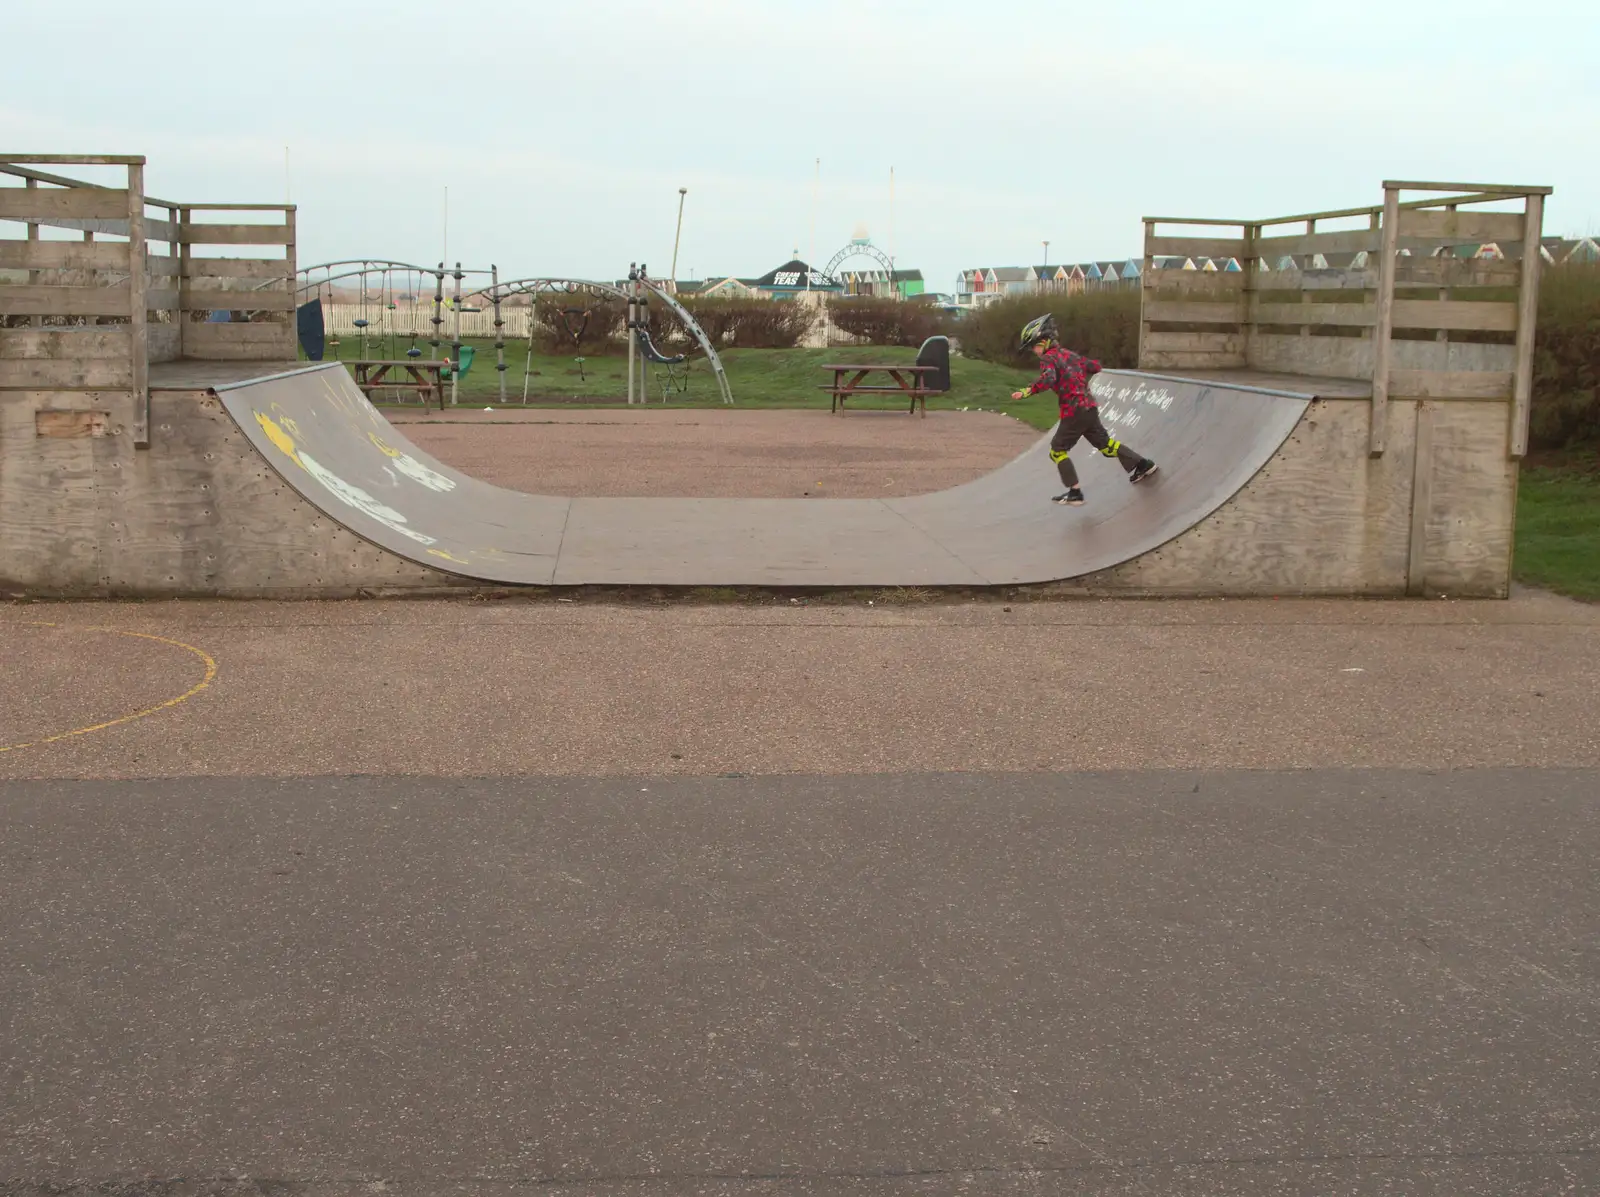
(564, 130)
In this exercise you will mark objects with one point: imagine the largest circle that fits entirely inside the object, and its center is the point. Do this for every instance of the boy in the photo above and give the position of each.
(1067, 374)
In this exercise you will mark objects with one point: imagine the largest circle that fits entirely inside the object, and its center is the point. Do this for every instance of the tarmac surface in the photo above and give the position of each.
(1367, 981)
(874, 895)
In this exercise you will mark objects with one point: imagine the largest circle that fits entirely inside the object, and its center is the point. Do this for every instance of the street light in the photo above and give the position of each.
(673, 275)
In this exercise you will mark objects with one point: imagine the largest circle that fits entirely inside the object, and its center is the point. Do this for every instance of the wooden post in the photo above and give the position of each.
(179, 282)
(1247, 296)
(292, 350)
(33, 236)
(1144, 287)
(1385, 326)
(1527, 320)
(138, 317)
(1421, 501)
(1306, 297)
(184, 273)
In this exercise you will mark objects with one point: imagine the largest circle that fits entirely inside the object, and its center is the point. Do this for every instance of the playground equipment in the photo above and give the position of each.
(636, 294)
(378, 311)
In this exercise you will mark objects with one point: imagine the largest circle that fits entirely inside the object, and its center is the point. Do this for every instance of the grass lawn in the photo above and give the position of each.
(1558, 527)
(787, 378)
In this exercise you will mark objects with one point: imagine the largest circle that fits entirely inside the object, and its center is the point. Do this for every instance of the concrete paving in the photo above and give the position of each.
(605, 689)
(1207, 982)
(820, 897)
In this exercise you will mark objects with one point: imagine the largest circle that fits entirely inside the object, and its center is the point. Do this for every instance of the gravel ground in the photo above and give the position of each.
(556, 688)
(714, 453)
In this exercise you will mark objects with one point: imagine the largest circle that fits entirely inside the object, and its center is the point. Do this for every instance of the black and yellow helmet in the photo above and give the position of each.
(1040, 328)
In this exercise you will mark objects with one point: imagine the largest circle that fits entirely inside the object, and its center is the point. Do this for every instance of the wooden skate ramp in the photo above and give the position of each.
(1209, 437)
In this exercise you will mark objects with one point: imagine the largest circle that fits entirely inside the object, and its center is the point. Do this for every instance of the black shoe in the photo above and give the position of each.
(1072, 498)
(1143, 470)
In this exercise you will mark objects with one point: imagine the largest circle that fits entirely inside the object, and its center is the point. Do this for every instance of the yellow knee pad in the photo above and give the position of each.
(1057, 457)
(1112, 446)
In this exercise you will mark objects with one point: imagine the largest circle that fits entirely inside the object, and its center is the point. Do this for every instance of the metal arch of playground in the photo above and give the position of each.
(498, 291)
(535, 284)
(389, 266)
(859, 249)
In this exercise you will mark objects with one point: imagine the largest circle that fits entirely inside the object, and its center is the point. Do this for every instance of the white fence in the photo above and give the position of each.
(406, 321)
(340, 320)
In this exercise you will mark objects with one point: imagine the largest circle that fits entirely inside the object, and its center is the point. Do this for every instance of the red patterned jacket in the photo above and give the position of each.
(1067, 374)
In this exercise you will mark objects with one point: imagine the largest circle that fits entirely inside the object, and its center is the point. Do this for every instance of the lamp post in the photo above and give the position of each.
(673, 274)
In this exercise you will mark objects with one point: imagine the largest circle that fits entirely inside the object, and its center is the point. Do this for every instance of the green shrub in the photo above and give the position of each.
(746, 323)
(1566, 363)
(888, 321)
(1103, 325)
(601, 333)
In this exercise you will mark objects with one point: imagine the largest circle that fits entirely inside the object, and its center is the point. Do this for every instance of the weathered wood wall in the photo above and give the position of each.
(1444, 340)
(95, 313)
(251, 282)
(83, 513)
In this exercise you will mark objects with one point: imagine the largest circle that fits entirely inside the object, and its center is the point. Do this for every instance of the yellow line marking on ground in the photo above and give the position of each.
(211, 673)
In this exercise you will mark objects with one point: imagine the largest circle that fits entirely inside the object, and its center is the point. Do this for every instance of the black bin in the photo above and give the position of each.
(935, 351)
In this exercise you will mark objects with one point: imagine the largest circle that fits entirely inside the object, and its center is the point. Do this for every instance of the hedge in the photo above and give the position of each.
(889, 321)
(1566, 361)
(1103, 325)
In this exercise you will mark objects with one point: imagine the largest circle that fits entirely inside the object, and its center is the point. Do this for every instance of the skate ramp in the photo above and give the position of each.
(318, 431)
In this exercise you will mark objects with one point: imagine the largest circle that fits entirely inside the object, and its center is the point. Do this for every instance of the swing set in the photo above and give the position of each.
(391, 300)
(382, 285)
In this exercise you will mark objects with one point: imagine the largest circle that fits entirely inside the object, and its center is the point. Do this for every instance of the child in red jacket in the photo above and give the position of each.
(1067, 374)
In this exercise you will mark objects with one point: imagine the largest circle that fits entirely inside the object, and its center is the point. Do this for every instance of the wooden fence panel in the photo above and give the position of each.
(238, 342)
(1303, 244)
(253, 269)
(1339, 315)
(1461, 227)
(1171, 311)
(1458, 315)
(64, 255)
(80, 203)
(1192, 247)
(24, 300)
(235, 234)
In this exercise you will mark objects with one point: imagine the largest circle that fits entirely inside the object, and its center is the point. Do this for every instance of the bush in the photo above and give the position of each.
(1103, 325)
(749, 323)
(600, 335)
(1566, 362)
(888, 321)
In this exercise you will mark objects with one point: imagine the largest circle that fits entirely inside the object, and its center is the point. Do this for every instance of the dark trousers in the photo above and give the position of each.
(1085, 423)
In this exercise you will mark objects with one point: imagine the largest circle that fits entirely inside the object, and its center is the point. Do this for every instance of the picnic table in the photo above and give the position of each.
(908, 381)
(425, 378)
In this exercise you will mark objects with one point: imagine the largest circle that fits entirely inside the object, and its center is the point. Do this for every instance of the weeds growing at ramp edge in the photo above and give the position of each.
(1558, 527)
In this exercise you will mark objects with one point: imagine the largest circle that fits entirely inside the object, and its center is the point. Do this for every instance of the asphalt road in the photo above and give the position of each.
(1162, 982)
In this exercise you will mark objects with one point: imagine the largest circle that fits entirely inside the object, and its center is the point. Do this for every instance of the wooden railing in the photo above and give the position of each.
(1400, 310)
(93, 314)
(258, 291)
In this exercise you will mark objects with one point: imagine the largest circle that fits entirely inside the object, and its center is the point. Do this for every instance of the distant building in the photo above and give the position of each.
(794, 277)
(879, 282)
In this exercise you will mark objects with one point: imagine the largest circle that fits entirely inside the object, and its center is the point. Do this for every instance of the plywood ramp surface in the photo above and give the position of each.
(319, 432)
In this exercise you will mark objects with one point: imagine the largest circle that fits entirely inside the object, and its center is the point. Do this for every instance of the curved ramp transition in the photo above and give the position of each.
(317, 429)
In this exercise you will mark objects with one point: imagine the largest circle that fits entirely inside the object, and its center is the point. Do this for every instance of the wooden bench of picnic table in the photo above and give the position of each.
(425, 378)
(908, 381)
